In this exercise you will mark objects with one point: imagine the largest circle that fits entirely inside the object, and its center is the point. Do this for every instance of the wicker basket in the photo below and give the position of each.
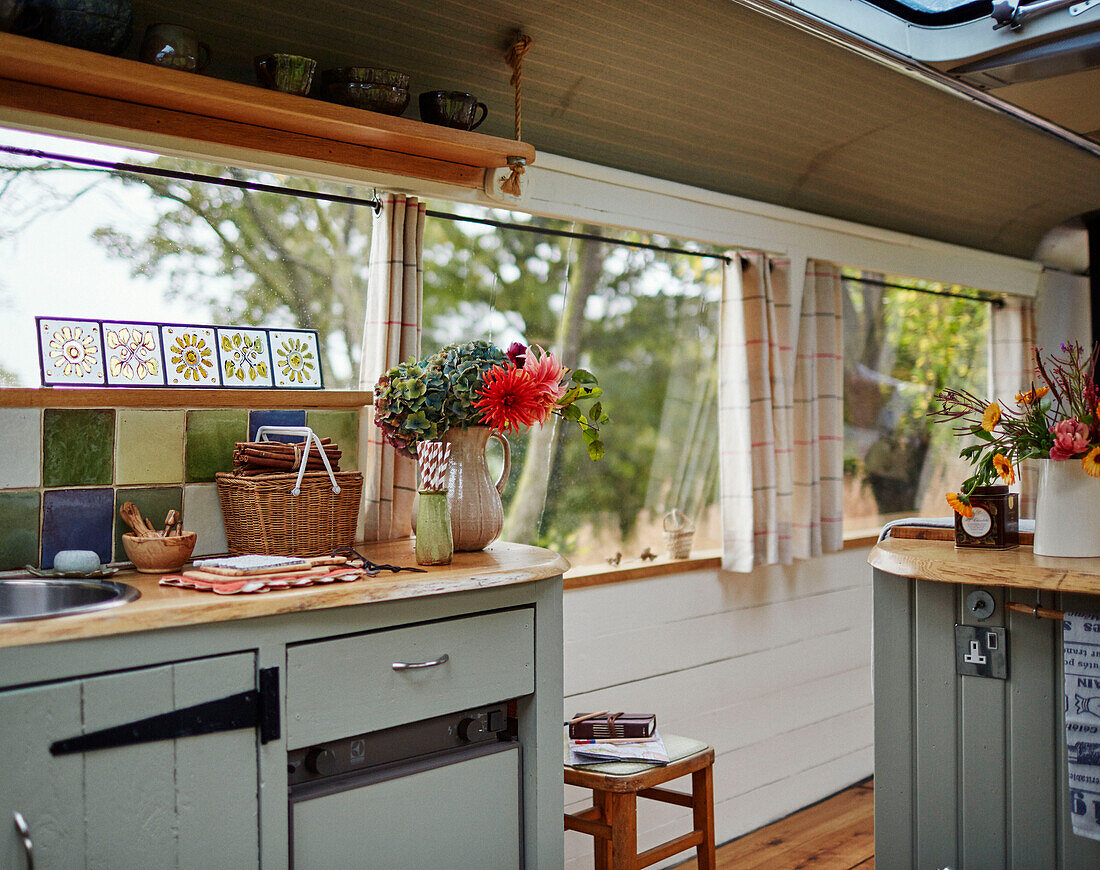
(678, 534)
(261, 516)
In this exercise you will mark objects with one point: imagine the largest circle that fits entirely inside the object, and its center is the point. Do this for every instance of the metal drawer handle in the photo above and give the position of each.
(408, 666)
(25, 833)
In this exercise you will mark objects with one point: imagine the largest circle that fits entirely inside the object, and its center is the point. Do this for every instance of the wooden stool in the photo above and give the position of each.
(613, 821)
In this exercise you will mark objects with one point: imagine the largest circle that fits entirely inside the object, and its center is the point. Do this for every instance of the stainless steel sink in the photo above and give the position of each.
(39, 598)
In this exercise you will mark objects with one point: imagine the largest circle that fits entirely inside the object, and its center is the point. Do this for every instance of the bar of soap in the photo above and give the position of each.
(83, 561)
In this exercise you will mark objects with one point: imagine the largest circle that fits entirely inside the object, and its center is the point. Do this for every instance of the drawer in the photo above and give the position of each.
(339, 688)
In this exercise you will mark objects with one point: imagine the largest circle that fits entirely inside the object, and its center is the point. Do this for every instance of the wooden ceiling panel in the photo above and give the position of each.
(704, 92)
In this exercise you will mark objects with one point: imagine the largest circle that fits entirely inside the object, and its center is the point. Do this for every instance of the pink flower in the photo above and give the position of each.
(547, 372)
(1070, 437)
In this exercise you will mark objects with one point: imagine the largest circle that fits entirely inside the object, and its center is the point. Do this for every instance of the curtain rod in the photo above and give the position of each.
(376, 205)
(886, 285)
(566, 234)
(139, 169)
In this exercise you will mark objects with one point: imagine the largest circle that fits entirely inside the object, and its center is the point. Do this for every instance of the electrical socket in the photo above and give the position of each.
(981, 651)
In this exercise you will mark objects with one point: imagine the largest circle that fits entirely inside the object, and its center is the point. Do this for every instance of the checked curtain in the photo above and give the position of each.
(395, 294)
(780, 414)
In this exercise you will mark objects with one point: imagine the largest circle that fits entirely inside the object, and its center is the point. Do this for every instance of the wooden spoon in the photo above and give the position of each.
(171, 523)
(132, 517)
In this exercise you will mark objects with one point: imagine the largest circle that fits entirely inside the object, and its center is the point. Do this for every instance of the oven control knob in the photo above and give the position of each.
(321, 762)
(470, 729)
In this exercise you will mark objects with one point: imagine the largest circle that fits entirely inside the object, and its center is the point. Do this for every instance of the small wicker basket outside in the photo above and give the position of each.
(678, 534)
(261, 516)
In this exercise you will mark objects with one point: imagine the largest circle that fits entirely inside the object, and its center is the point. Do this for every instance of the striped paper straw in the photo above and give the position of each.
(433, 457)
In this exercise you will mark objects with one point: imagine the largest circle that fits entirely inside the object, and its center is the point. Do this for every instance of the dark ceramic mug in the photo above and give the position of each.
(174, 46)
(451, 109)
(289, 73)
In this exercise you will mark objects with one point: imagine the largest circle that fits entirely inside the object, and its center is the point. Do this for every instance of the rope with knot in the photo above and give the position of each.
(514, 59)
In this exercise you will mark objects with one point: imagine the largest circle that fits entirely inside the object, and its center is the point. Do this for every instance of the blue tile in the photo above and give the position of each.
(256, 419)
(77, 519)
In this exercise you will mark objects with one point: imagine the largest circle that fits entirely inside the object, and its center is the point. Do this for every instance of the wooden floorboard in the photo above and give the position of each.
(836, 834)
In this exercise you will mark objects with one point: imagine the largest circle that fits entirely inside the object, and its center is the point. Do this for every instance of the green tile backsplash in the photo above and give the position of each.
(71, 469)
(211, 436)
(154, 502)
(150, 446)
(78, 447)
(20, 513)
(343, 428)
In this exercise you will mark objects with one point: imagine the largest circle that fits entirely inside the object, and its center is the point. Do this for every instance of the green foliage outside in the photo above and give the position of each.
(901, 348)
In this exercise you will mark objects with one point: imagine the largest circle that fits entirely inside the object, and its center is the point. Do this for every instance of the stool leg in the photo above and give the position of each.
(601, 800)
(702, 802)
(624, 830)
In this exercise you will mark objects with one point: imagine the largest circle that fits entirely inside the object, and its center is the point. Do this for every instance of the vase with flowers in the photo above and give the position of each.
(1056, 421)
(468, 393)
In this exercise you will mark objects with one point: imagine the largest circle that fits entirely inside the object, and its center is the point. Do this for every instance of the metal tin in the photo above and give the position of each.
(995, 524)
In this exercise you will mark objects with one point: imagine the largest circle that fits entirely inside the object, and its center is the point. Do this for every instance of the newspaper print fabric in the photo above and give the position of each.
(1081, 672)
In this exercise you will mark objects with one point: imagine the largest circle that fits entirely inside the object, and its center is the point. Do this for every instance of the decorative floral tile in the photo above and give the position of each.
(70, 351)
(297, 359)
(132, 354)
(190, 356)
(244, 358)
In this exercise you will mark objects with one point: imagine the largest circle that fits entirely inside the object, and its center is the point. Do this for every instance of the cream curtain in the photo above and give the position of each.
(780, 414)
(395, 293)
(1013, 368)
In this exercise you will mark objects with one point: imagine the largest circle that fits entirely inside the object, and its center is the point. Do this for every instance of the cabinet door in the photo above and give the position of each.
(189, 802)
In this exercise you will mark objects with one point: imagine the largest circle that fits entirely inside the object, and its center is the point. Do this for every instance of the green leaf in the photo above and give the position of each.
(571, 412)
(595, 450)
(580, 376)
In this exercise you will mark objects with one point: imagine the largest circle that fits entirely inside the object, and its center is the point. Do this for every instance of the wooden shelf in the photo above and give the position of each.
(56, 80)
(139, 397)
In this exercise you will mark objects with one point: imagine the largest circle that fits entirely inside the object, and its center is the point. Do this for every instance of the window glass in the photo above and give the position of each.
(937, 12)
(645, 323)
(901, 347)
(79, 241)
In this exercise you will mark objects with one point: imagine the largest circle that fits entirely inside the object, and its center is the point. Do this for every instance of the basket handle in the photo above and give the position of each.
(310, 436)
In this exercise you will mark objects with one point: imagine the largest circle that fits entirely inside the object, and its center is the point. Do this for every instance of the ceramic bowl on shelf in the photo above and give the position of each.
(364, 87)
(159, 555)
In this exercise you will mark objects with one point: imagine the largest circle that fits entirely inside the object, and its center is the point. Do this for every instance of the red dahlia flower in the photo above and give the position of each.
(510, 399)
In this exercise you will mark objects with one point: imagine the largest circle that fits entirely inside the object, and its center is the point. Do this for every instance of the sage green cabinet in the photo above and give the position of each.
(970, 772)
(150, 805)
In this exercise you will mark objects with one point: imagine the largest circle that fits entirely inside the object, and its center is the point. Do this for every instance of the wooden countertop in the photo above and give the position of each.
(1019, 568)
(499, 564)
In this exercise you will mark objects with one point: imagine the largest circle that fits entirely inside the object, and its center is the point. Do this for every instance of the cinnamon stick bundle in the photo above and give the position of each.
(251, 458)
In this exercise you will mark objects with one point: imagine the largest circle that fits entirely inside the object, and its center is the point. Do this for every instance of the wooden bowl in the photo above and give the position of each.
(159, 555)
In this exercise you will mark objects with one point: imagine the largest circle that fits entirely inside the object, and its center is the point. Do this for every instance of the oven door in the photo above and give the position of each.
(458, 810)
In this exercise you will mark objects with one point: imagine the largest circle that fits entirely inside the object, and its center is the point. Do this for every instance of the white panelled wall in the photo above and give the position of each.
(772, 668)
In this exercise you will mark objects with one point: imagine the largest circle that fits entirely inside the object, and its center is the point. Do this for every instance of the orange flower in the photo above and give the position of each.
(510, 398)
(1091, 462)
(1031, 395)
(990, 416)
(960, 507)
(1004, 468)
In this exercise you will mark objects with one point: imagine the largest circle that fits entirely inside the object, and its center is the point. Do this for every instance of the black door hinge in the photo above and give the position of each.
(256, 708)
